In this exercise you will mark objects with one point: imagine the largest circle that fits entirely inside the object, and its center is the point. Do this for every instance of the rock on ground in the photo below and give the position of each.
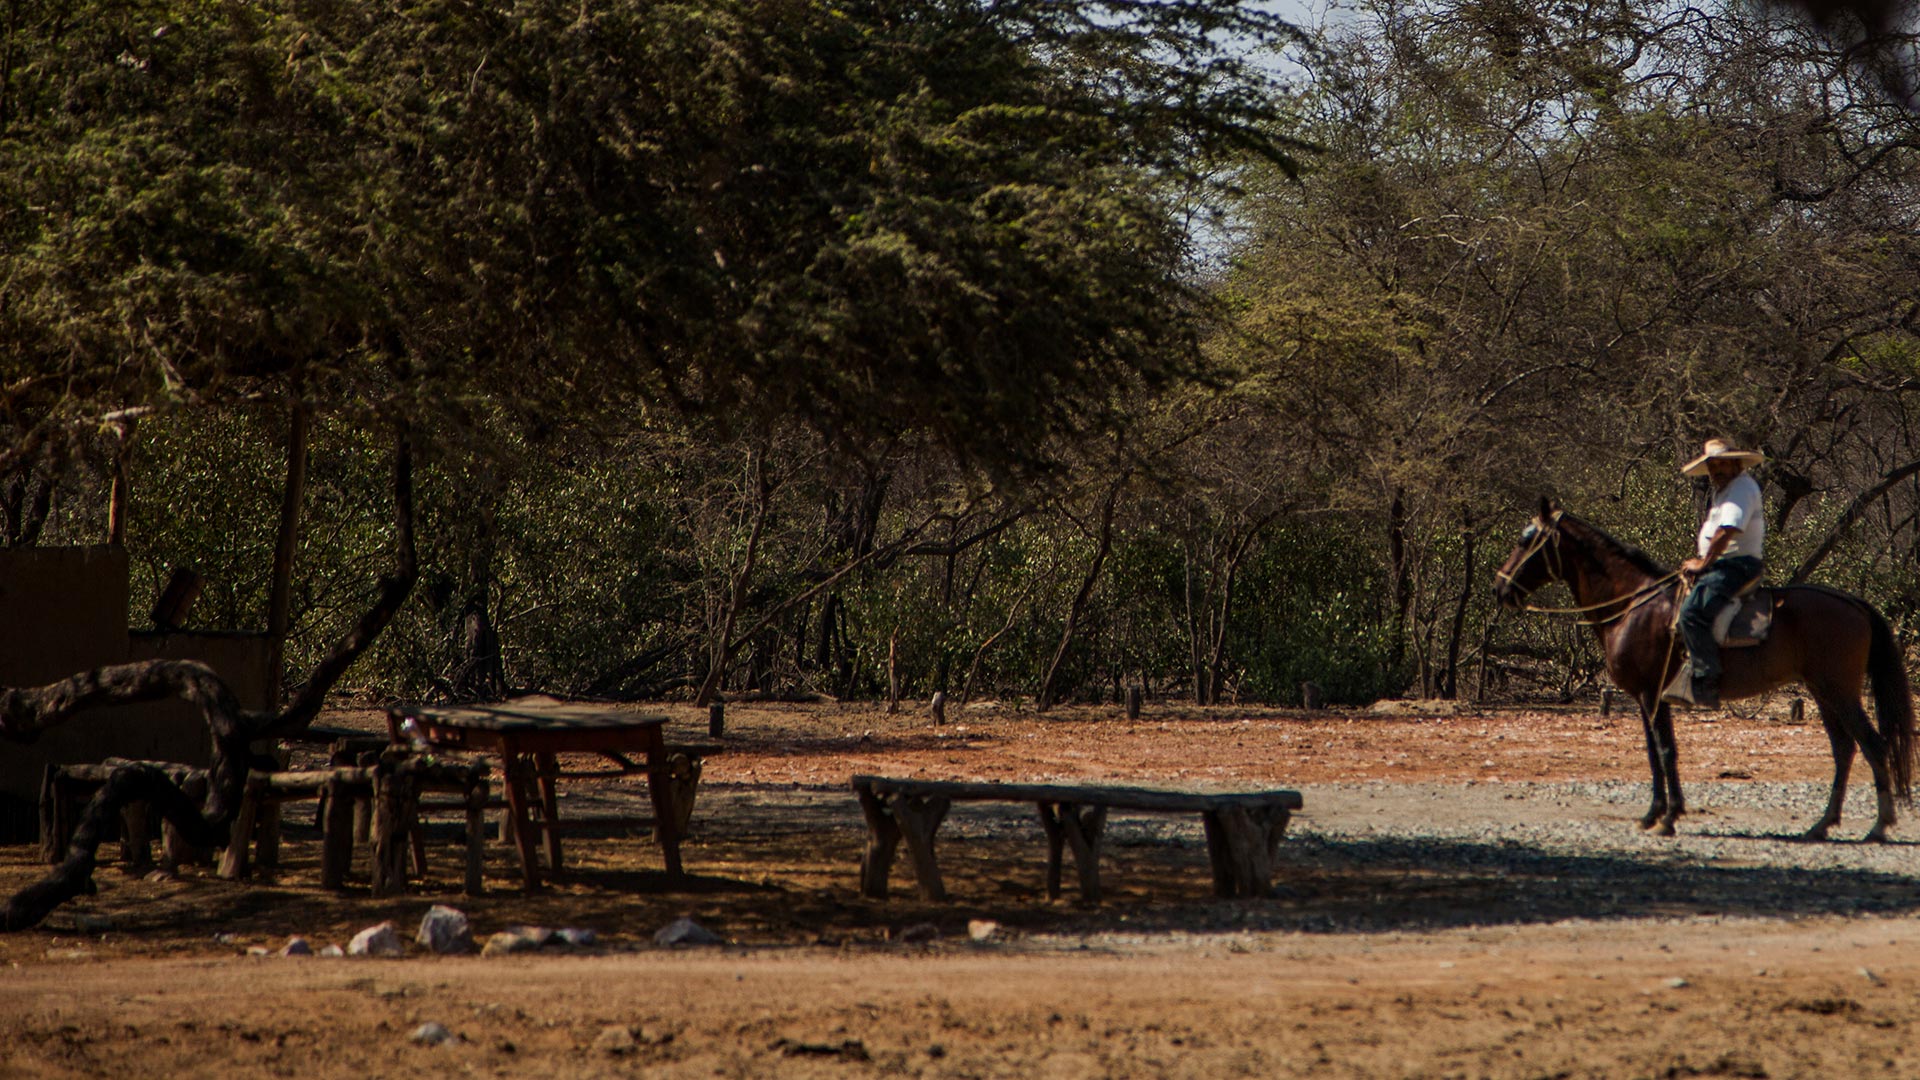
(445, 930)
(381, 940)
(684, 931)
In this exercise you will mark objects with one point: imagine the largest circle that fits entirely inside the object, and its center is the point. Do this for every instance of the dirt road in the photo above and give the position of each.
(1465, 896)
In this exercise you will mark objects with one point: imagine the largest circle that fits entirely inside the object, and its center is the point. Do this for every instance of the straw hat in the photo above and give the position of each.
(1723, 450)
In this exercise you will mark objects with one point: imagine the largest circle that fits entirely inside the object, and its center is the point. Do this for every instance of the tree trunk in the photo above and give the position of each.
(720, 650)
(28, 500)
(120, 494)
(1450, 676)
(1401, 578)
(280, 591)
(480, 673)
(848, 532)
(1048, 684)
(979, 655)
(1195, 635)
(1236, 558)
(893, 671)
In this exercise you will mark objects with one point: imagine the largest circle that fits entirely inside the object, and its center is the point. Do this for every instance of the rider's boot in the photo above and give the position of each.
(1706, 692)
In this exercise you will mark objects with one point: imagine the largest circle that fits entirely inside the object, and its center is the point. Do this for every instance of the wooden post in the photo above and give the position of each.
(1133, 702)
(1606, 702)
(362, 820)
(233, 864)
(883, 840)
(1056, 843)
(515, 769)
(1241, 850)
(266, 852)
(136, 836)
(918, 818)
(683, 778)
(175, 851)
(1798, 710)
(893, 672)
(939, 707)
(717, 720)
(1310, 696)
(336, 846)
(477, 792)
(546, 768)
(392, 791)
(1082, 830)
(1217, 853)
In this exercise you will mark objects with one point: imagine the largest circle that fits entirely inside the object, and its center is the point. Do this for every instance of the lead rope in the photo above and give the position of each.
(1673, 636)
(1640, 596)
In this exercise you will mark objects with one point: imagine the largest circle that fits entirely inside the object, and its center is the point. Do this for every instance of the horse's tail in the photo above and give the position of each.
(1892, 702)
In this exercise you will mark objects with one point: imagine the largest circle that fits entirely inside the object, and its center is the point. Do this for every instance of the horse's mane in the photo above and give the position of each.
(1632, 555)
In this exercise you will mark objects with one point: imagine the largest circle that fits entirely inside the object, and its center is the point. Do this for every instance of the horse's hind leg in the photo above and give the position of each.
(1842, 744)
(1847, 711)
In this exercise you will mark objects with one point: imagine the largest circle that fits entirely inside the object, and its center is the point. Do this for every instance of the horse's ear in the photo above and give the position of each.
(1546, 508)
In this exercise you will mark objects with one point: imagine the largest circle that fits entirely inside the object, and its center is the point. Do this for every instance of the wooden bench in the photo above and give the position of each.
(1243, 828)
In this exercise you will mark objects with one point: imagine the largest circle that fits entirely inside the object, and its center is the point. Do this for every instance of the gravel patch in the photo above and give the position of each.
(1379, 856)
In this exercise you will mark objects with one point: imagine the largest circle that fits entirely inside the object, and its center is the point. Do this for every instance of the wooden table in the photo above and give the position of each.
(527, 736)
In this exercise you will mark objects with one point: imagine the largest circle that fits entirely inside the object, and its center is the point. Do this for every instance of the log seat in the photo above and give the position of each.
(390, 788)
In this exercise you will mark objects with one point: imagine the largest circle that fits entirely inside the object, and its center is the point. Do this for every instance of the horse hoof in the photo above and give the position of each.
(1815, 835)
(1875, 835)
(1649, 821)
(1665, 828)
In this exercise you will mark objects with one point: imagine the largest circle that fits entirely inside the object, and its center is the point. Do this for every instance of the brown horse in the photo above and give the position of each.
(1823, 638)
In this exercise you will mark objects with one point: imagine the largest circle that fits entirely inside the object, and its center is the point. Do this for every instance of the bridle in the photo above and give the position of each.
(1547, 538)
(1544, 533)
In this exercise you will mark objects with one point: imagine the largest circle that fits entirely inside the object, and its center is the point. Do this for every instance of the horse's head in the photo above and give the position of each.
(1534, 561)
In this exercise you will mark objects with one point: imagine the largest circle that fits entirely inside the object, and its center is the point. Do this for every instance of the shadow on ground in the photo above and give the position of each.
(780, 867)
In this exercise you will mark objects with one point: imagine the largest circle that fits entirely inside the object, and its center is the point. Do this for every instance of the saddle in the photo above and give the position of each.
(1742, 624)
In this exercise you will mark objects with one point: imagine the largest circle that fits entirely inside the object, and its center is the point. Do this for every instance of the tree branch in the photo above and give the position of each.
(26, 713)
(1847, 517)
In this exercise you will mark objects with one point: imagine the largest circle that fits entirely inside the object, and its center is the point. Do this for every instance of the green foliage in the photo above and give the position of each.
(694, 306)
(1314, 613)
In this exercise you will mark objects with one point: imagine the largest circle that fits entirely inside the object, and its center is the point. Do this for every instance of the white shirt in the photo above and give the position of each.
(1738, 506)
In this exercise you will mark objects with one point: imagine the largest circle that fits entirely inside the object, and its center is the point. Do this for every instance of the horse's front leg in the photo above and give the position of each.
(1649, 707)
(1663, 758)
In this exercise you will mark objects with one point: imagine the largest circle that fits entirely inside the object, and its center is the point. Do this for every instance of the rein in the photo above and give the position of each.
(1551, 534)
(1638, 597)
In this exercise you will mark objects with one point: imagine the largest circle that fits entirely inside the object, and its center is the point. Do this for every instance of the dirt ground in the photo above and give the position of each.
(1160, 979)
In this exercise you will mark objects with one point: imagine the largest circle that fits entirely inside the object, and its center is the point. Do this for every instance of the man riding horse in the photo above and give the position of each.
(1730, 543)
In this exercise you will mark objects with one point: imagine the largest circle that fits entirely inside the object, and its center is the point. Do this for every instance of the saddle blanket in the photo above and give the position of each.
(1747, 622)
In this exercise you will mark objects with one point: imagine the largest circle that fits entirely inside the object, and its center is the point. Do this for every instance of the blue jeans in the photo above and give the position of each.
(1715, 588)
